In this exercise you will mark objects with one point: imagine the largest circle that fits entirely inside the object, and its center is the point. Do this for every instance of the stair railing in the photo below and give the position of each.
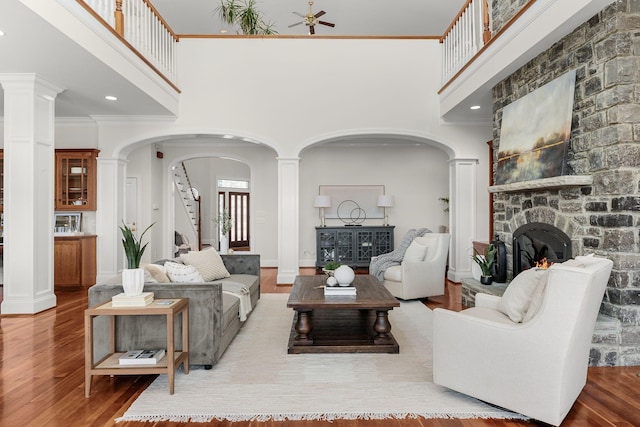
(467, 34)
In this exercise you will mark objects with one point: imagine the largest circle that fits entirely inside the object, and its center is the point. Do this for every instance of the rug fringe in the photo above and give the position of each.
(202, 418)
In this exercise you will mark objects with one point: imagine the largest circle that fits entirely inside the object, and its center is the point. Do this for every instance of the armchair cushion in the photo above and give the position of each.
(393, 273)
(517, 297)
(416, 252)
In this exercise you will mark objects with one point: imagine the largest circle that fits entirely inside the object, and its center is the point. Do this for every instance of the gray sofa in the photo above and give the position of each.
(214, 318)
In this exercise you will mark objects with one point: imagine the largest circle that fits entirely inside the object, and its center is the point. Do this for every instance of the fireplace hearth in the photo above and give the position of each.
(536, 243)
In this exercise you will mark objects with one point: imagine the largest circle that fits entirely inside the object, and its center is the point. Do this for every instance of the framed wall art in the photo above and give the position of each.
(353, 203)
(535, 133)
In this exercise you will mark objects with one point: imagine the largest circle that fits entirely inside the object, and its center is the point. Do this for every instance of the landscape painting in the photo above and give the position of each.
(535, 133)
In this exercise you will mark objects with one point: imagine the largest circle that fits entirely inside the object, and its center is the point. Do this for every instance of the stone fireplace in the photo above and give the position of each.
(597, 205)
(536, 244)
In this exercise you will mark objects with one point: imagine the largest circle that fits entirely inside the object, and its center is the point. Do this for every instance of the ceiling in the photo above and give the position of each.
(351, 17)
(32, 45)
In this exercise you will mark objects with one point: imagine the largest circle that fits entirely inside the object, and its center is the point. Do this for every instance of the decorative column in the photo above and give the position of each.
(288, 222)
(463, 208)
(111, 184)
(29, 179)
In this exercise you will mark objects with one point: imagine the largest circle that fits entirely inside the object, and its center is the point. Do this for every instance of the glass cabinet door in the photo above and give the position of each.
(75, 179)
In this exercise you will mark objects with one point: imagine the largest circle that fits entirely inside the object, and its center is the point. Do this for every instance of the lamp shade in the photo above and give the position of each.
(322, 201)
(385, 201)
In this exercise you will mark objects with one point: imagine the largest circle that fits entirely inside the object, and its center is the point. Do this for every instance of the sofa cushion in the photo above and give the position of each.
(393, 273)
(230, 310)
(517, 297)
(183, 273)
(157, 273)
(207, 262)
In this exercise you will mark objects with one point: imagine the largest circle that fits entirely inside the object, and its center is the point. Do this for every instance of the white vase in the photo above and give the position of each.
(224, 244)
(344, 275)
(133, 281)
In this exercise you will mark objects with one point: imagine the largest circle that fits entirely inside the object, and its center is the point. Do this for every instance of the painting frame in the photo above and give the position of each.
(535, 133)
(346, 198)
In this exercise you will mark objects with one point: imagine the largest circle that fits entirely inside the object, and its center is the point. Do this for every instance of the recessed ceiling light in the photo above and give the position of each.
(111, 98)
(1, 33)
(475, 107)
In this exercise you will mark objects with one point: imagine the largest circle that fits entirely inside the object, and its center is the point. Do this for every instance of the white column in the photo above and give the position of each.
(463, 208)
(29, 177)
(111, 185)
(288, 222)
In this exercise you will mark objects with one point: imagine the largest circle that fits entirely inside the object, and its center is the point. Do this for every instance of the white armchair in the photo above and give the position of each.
(537, 367)
(422, 271)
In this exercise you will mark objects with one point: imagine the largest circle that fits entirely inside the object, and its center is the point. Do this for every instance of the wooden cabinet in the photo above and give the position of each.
(74, 261)
(353, 246)
(76, 180)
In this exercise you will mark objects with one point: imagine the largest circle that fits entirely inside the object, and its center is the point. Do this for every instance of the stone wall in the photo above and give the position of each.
(603, 218)
(502, 11)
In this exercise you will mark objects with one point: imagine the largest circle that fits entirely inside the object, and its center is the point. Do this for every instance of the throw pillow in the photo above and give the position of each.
(208, 263)
(157, 272)
(416, 252)
(537, 297)
(517, 297)
(148, 278)
(181, 273)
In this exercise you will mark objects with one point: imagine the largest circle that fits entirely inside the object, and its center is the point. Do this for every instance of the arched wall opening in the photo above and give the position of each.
(414, 172)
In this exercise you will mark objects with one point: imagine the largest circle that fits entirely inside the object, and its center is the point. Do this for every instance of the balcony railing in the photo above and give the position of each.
(466, 35)
(142, 27)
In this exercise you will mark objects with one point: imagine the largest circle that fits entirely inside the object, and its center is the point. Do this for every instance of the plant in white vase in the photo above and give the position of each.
(224, 222)
(133, 275)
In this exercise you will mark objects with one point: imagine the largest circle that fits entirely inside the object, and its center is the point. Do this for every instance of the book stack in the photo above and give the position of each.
(141, 357)
(340, 290)
(122, 300)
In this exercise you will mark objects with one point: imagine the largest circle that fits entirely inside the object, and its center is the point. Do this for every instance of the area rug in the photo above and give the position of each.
(257, 380)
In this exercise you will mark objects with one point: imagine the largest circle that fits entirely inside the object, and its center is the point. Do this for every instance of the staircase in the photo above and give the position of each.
(190, 200)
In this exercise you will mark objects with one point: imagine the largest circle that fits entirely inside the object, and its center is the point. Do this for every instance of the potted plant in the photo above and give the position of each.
(330, 267)
(224, 222)
(133, 275)
(486, 263)
(245, 15)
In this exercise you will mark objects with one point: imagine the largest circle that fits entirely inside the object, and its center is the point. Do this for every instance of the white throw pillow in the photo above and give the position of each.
(517, 297)
(208, 263)
(416, 252)
(181, 273)
(538, 293)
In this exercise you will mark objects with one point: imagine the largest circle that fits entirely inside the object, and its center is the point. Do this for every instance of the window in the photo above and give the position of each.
(233, 183)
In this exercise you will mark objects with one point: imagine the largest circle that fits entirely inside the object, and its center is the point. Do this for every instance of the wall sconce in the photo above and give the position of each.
(322, 202)
(385, 201)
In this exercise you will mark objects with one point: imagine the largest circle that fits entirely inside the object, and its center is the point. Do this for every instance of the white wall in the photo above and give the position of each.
(415, 174)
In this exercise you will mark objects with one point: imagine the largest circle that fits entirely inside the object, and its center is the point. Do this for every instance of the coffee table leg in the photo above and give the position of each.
(382, 328)
(303, 328)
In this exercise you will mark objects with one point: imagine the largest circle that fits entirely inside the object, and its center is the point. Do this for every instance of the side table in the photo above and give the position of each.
(109, 365)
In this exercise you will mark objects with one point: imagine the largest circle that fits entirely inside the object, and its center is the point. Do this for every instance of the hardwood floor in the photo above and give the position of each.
(42, 378)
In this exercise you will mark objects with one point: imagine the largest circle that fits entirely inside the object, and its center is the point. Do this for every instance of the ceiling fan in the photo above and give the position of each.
(311, 20)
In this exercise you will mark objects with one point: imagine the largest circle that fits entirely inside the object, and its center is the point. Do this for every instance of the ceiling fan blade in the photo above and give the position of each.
(312, 30)
(298, 14)
(328, 24)
(293, 25)
(319, 14)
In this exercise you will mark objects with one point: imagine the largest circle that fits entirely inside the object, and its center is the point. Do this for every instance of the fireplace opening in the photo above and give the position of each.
(537, 243)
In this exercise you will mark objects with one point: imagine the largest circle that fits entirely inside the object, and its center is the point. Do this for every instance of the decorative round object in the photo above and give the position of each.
(344, 275)
(350, 212)
(331, 281)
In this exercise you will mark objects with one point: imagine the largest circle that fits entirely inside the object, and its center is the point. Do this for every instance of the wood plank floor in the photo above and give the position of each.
(42, 378)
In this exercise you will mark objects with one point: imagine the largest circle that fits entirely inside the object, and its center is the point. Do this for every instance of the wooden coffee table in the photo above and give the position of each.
(341, 324)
